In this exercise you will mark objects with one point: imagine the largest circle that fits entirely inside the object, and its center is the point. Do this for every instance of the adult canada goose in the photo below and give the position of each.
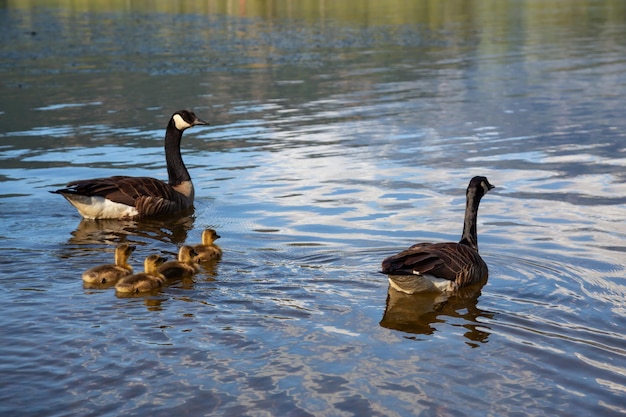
(111, 273)
(184, 267)
(121, 197)
(443, 266)
(207, 250)
(148, 280)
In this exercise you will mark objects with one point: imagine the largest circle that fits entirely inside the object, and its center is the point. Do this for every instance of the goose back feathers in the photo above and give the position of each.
(448, 265)
(120, 197)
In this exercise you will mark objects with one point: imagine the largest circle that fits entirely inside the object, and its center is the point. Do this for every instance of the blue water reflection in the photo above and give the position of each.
(336, 140)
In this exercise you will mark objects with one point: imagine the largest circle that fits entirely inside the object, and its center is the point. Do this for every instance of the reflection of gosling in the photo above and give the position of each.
(208, 251)
(148, 280)
(111, 273)
(184, 267)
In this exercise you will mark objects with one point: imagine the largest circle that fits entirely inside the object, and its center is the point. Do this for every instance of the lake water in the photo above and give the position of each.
(340, 134)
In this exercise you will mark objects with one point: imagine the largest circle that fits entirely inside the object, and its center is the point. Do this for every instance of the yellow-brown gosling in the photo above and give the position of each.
(184, 267)
(111, 273)
(122, 197)
(447, 266)
(208, 250)
(148, 280)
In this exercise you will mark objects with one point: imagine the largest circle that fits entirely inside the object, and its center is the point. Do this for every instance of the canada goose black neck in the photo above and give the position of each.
(176, 170)
(478, 187)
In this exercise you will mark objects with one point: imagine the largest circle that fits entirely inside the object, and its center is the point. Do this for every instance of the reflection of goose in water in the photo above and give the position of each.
(173, 230)
(122, 197)
(208, 250)
(148, 280)
(111, 273)
(416, 313)
(184, 267)
(443, 266)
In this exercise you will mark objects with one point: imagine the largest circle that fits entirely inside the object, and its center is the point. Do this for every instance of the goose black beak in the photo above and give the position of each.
(199, 122)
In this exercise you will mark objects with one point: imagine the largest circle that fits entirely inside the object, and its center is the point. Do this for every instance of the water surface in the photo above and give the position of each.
(339, 135)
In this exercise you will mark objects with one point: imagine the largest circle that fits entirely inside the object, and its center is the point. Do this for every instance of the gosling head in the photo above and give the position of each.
(125, 249)
(209, 236)
(186, 253)
(122, 253)
(153, 262)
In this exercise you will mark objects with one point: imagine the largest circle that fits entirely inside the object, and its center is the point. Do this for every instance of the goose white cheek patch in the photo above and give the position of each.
(180, 123)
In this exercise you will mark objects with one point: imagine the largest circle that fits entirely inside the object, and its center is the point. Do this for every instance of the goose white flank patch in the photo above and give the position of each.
(443, 266)
(121, 197)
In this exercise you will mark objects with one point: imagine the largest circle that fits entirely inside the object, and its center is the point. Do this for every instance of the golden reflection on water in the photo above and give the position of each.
(170, 230)
(419, 313)
(433, 14)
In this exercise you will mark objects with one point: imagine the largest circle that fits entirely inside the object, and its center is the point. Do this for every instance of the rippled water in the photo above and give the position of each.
(336, 140)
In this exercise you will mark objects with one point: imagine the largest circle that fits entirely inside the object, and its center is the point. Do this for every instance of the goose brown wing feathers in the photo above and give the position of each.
(149, 196)
(452, 261)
